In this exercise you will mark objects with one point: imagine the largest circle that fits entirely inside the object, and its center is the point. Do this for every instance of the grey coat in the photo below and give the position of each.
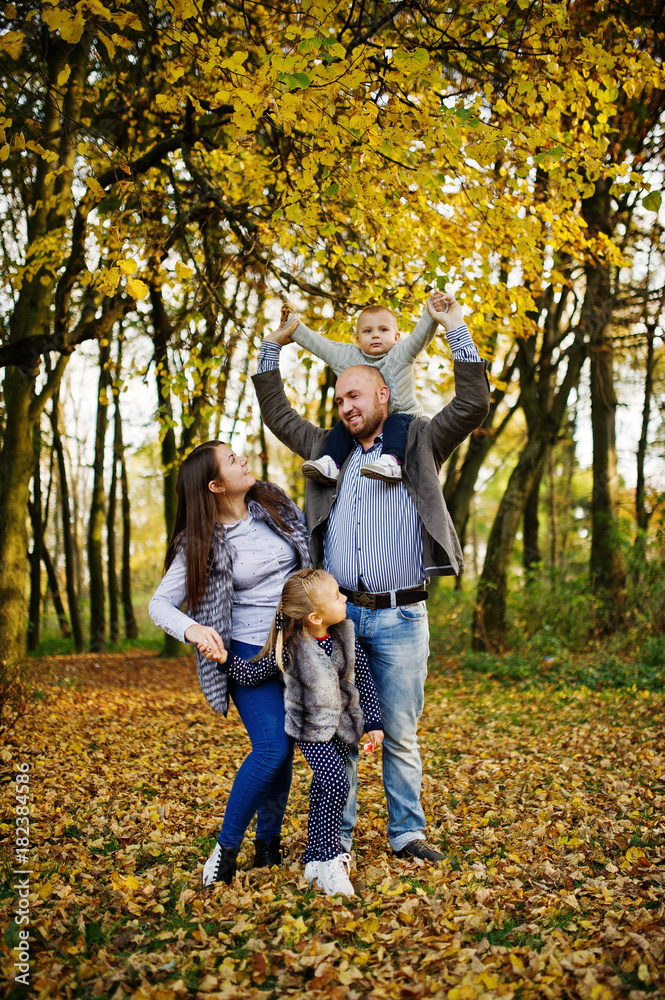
(320, 696)
(429, 443)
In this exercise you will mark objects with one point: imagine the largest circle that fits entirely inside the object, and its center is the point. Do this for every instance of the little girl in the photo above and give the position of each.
(329, 701)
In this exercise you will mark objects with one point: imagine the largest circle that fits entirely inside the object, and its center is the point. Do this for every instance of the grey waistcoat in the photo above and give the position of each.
(320, 696)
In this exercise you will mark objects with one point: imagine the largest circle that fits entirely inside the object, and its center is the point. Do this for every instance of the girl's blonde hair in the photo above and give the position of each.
(299, 599)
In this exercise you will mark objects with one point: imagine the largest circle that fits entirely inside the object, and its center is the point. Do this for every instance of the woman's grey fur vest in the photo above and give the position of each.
(216, 606)
(320, 696)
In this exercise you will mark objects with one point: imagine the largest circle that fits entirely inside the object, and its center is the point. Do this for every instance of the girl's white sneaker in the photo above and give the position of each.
(331, 876)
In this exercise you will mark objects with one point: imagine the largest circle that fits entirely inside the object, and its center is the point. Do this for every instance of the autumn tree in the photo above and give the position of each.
(180, 154)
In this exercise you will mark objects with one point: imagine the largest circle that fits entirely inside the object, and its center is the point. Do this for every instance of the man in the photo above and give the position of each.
(382, 542)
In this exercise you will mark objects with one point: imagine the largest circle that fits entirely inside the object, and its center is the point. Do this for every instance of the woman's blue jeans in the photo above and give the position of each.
(263, 781)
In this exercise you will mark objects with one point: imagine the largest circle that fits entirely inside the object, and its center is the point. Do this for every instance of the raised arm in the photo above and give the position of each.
(465, 412)
(334, 352)
(424, 332)
(298, 434)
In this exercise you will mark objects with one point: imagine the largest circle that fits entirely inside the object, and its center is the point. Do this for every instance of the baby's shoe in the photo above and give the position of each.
(333, 876)
(386, 468)
(322, 470)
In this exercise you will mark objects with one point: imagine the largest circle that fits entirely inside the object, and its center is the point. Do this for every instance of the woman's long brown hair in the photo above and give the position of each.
(196, 516)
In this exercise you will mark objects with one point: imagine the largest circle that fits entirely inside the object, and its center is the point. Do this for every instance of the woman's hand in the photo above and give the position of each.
(207, 641)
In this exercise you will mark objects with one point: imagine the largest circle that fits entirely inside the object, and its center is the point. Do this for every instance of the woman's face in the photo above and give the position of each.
(234, 474)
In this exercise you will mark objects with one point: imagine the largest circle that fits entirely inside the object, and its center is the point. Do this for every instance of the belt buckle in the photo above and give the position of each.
(366, 600)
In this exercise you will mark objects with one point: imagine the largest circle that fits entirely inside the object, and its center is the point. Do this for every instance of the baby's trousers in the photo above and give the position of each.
(327, 797)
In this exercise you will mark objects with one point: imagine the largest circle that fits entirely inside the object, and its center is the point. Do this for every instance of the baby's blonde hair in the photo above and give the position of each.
(375, 308)
(299, 599)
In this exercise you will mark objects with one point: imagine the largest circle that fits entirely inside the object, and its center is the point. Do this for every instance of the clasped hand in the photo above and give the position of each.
(207, 641)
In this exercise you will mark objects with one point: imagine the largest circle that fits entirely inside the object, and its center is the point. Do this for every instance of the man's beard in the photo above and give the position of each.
(368, 424)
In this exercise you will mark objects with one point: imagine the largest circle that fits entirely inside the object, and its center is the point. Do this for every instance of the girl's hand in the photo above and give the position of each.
(375, 739)
(445, 310)
(207, 641)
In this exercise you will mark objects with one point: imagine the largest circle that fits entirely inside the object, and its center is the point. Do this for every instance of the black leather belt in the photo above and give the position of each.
(363, 599)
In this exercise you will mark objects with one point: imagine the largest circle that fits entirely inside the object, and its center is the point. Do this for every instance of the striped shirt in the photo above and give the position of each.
(374, 535)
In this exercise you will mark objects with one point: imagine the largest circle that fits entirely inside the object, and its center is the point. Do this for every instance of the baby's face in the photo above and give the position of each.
(376, 332)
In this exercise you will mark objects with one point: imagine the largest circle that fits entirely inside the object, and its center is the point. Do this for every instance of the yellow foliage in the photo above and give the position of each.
(11, 42)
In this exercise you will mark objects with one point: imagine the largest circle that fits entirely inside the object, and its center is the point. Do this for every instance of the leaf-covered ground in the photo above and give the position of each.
(549, 804)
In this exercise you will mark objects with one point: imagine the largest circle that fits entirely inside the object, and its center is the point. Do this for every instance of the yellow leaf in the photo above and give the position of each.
(4, 152)
(49, 155)
(72, 29)
(183, 272)
(10, 11)
(347, 976)
(19, 141)
(108, 44)
(601, 992)
(462, 993)
(396, 889)
(133, 882)
(108, 280)
(64, 75)
(137, 289)
(96, 188)
(11, 43)
(45, 890)
(634, 853)
(128, 266)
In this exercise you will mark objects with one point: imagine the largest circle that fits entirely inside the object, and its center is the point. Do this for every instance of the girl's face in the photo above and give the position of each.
(330, 605)
(234, 474)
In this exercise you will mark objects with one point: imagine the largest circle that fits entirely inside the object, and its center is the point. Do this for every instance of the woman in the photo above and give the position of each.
(235, 542)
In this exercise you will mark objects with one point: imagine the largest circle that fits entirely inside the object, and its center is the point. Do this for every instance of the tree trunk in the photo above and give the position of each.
(162, 337)
(489, 623)
(642, 514)
(50, 205)
(460, 484)
(35, 510)
(97, 505)
(607, 567)
(265, 458)
(54, 593)
(544, 412)
(67, 535)
(554, 517)
(114, 629)
(531, 555)
(131, 628)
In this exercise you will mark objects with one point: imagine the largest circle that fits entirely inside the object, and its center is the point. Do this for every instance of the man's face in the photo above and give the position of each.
(363, 405)
(376, 332)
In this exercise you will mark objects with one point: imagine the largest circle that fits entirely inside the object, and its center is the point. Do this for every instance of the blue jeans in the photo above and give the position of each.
(263, 781)
(397, 645)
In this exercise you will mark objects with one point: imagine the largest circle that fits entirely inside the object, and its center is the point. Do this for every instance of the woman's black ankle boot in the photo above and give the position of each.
(220, 866)
(268, 852)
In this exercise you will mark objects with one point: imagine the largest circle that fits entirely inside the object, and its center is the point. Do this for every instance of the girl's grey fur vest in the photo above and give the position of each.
(216, 606)
(320, 697)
